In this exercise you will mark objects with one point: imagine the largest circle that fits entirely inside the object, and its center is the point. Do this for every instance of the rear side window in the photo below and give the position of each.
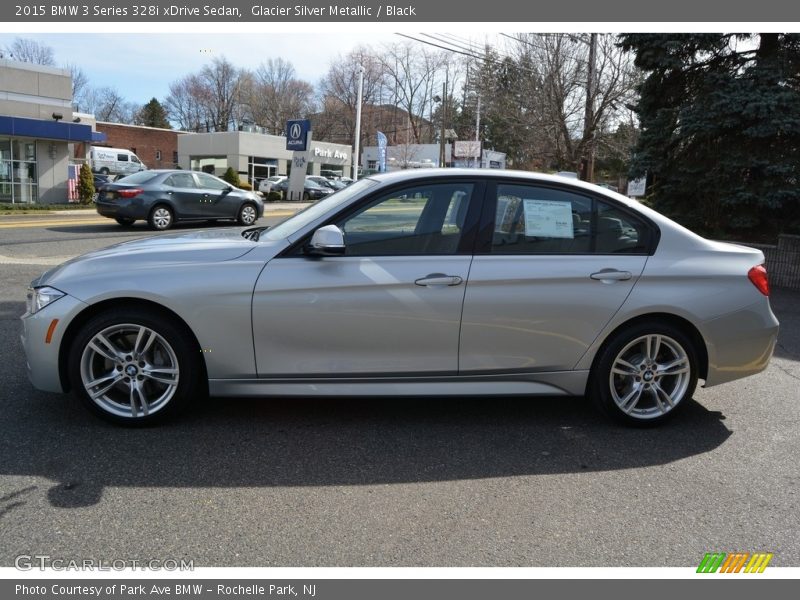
(534, 220)
(180, 180)
(122, 157)
(538, 220)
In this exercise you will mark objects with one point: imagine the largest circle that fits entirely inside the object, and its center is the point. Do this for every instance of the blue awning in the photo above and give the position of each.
(48, 130)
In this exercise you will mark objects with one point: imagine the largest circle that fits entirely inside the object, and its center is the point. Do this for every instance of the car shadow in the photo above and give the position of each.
(140, 228)
(321, 442)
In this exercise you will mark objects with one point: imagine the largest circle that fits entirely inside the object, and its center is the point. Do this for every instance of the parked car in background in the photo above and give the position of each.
(265, 185)
(453, 282)
(311, 189)
(114, 161)
(325, 182)
(162, 197)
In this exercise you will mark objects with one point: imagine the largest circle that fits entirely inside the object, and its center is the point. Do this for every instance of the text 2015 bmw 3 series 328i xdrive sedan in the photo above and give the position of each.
(446, 282)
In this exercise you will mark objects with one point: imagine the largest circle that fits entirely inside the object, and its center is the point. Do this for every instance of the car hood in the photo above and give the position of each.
(215, 246)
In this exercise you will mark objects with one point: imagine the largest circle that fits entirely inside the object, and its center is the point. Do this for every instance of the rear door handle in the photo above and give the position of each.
(609, 275)
(439, 279)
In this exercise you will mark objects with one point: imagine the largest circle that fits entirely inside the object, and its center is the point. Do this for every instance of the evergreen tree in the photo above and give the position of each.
(153, 114)
(85, 184)
(231, 176)
(720, 130)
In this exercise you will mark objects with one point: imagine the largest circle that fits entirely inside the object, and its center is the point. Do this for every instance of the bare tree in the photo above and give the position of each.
(185, 104)
(108, 105)
(413, 73)
(31, 51)
(277, 95)
(80, 85)
(338, 96)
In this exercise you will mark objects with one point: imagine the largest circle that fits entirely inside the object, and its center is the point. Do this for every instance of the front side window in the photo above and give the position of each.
(210, 182)
(422, 219)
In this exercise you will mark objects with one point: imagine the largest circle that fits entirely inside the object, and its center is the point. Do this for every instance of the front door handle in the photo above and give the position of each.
(439, 279)
(609, 275)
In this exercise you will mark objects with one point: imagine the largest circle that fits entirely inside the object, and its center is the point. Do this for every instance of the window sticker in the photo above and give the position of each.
(548, 218)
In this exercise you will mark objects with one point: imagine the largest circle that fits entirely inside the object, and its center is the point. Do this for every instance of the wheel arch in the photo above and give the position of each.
(117, 304)
(679, 322)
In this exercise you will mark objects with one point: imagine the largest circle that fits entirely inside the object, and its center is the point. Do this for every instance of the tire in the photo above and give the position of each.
(645, 374)
(134, 367)
(248, 214)
(125, 222)
(161, 217)
(306, 196)
(105, 171)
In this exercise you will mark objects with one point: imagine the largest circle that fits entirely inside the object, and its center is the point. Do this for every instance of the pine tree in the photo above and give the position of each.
(153, 114)
(720, 139)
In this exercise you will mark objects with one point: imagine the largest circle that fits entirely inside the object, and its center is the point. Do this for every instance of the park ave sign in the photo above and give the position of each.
(325, 153)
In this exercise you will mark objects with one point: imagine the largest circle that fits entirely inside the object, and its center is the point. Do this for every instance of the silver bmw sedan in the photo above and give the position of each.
(429, 282)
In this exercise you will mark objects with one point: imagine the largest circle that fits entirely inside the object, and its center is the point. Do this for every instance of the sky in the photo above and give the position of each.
(141, 66)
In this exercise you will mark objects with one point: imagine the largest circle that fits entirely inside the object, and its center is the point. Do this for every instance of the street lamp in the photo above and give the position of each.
(356, 157)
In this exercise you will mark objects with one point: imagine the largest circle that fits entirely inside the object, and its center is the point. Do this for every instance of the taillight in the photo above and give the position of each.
(129, 192)
(758, 275)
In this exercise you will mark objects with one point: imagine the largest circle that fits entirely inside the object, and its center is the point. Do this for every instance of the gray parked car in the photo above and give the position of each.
(162, 197)
(435, 282)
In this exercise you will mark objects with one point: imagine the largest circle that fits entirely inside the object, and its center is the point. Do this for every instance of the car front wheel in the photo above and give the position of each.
(645, 374)
(134, 367)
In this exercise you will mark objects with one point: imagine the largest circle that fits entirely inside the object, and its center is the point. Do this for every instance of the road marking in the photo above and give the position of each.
(44, 223)
(78, 221)
(34, 260)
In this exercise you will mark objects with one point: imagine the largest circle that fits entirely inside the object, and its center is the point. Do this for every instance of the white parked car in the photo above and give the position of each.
(265, 186)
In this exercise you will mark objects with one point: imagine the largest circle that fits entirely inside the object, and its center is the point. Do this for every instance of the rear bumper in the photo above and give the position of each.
(740, 344)
(122, 208)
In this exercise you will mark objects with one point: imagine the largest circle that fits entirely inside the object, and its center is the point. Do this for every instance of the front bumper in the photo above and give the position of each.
(42, 359)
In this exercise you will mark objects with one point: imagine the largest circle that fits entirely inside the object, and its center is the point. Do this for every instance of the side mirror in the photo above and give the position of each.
(327, 241)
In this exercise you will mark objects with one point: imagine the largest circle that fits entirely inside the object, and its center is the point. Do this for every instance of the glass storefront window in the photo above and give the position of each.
(18, 177)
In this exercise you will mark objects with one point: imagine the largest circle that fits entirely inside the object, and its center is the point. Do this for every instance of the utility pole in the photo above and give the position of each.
(478, 132)
(588, 133)
(356, 157)
(444, 112)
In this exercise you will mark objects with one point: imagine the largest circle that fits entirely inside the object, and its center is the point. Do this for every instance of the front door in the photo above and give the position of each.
(390, 306)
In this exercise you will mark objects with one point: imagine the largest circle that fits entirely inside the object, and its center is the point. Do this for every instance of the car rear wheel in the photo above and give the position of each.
(105, 171)
(247, 214)
(306, 196)
(134, 367)
(645, 374)
(125, 222)
(161, 217)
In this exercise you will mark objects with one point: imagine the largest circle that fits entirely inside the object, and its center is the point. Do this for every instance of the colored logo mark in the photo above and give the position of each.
(735, 562)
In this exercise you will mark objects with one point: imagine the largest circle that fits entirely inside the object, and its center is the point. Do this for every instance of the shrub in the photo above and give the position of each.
(274, 197)
(243, 185)
(85, 184)
(231, 177)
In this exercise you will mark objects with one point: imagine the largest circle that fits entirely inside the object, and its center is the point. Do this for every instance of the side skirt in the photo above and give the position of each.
(563, 383)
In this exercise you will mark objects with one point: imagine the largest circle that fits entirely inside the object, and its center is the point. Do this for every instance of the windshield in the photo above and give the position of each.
(287, 228)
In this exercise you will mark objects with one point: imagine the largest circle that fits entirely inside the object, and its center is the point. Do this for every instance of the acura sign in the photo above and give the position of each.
(296, 134)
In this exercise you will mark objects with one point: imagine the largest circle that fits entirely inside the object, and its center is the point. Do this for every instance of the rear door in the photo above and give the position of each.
(553, 267)
(182, 190)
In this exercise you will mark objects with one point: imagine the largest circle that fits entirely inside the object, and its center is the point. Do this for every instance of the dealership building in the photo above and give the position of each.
(37, 127)
(256, 156)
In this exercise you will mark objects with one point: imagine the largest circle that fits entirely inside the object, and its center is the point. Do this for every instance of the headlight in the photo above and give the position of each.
(38, 298)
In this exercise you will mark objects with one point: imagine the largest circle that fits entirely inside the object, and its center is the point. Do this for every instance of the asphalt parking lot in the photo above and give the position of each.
(375, 482)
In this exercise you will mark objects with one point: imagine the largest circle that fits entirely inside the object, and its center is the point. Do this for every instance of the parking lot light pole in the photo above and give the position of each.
(356, 157)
